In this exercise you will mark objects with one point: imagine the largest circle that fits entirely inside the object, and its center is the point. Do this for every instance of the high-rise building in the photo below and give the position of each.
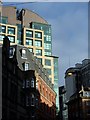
(29, 29)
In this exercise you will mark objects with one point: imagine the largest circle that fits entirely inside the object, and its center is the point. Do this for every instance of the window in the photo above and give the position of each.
(32, 82)
(47, 46)
(38, 35)
(47, 38)
(1, 37)
(11, 30)
(27, 83)
(38, 52)
(26, 66)
(29, 33)
(32, 100)
(38, 43)
(40, 60)
(47, 62)
(47, 53)
(11, 52)
(12, 39)
(49, 71)
(23, 53)
(31, 49)
(3, 29)
(29, 42)
(4, 20)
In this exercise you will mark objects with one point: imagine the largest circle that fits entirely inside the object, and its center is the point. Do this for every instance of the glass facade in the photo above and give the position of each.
(38, 35)
(38, 43)
(29, 33)
(4, 20)
(3, 29)
(29, 42)
(12, 39)
(1, 37)
(31, 49)
(56, 78)
(19, 29)
(39, 52)
(11, 30)
(47, 36)
(48, 62)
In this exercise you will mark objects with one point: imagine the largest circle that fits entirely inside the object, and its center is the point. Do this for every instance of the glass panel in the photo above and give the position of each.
(40, 60)
(38, 35)
(12, 39)
(38, 43)
(29, 42)
(11, 30)
(3, 29)
(1, 37)
(49, 71)
(47, 46)
(38, 52)
(31, 49)
(4, 20)
(47, 53)
(47, 62)
(29, 33)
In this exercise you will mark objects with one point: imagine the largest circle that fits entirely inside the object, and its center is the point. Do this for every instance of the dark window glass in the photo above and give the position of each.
(12, 39)
(38, 35)
(29, 33)
(11, 30)
(29, 42)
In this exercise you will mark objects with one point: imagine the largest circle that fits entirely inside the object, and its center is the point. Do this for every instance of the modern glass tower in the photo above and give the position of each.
(29, 29)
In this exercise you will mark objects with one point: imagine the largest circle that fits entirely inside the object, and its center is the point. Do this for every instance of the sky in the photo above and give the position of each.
(69, 21)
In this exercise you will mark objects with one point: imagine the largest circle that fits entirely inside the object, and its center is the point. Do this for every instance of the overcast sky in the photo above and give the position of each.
(69, 21)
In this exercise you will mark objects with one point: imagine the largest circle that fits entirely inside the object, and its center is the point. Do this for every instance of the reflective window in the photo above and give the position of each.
(38, 35)
(29, 33)
(47, 53)
(47, 62)
(47, 38)
(40, 60)
(3, 29)
(38, 43)
(31, 49)
(38, 52)
(1, 37)
(49, 71)
(29, 42)
(4, 20)
(47, 46)
(11, 30)
(12, 39)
